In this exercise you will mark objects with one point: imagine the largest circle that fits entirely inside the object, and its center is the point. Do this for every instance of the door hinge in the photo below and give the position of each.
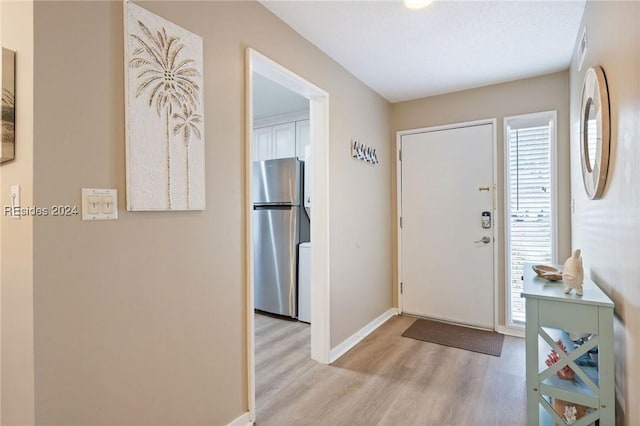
(400, 155)
(401, 288)
(400, 222)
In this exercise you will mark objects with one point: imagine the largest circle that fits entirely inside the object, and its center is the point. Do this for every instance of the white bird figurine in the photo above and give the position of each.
(573, 273)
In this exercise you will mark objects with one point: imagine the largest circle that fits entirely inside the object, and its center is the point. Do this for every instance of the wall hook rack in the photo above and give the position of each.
(362, 152)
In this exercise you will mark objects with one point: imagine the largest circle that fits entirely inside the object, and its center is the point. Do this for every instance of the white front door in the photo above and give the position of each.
(447, 183)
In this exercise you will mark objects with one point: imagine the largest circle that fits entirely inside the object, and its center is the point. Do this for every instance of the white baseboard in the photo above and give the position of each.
(243, 420)
(349, 343)
(510, 331)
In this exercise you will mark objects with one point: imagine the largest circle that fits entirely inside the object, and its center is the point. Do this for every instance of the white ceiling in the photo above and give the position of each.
(448, 46)
(271, 99)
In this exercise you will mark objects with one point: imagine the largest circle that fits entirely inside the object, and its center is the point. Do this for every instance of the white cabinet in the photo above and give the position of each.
(303, 152)
(262, 143)
(277, 141)
(284, 140)
(303, 146)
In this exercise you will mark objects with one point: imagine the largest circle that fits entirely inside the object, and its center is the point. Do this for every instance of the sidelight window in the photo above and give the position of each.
(530, 200)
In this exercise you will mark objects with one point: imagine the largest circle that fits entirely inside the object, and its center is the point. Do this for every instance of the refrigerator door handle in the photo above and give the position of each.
(273, 207)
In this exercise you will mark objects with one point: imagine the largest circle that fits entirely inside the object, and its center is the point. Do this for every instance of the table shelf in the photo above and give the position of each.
(551, 315)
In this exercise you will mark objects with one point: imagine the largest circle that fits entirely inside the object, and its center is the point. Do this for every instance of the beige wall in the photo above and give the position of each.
(545, 93)
(142, 320)
(608, 230)
(16, 260)
(360, 246)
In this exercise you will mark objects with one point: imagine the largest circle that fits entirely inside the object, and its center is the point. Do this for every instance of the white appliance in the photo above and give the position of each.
(304, 282)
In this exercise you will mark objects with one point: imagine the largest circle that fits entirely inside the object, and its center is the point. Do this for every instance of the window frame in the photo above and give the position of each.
(518, 122)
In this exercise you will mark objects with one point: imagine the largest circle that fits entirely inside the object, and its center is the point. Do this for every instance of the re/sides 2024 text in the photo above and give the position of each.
(55, 210)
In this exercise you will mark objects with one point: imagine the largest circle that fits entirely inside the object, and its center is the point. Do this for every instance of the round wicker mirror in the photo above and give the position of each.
(594, 132)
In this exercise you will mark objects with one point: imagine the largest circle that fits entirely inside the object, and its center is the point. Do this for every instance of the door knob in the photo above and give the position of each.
(485, 240)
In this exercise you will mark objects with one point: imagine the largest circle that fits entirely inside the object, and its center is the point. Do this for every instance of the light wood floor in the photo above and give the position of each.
(386, 379)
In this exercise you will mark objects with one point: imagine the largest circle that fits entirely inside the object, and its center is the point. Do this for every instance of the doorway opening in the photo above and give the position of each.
(268, 73)
(530, 201)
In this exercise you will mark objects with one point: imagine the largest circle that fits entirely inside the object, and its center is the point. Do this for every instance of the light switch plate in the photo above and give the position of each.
(93, 204)
(107, 204)
(99, 204)
(15, 201)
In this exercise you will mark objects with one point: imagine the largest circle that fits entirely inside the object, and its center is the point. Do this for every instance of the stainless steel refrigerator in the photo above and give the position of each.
(280, 223)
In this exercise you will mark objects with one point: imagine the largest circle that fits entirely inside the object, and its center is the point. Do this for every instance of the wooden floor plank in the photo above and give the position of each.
(385, 380)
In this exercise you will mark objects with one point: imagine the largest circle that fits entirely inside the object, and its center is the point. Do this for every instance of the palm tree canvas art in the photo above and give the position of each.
(164, 114)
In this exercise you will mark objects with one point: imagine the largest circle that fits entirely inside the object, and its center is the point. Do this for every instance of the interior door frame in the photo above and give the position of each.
(497, 243)
(320, 289)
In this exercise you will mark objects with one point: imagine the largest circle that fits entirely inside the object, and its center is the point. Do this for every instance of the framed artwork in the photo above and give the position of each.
(8, 147)
(164, 117)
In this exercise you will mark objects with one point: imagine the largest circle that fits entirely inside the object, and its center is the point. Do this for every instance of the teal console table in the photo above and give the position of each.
(551, 316)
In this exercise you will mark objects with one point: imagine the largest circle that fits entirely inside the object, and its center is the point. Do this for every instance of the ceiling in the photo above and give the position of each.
(271, 99)
(448, 46)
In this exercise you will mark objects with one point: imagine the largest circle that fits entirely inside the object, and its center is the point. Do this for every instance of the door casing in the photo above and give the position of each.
(320, 290)
(496, 214)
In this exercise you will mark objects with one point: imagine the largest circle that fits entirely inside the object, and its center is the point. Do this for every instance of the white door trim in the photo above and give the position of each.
(320, 290)
(496, 217)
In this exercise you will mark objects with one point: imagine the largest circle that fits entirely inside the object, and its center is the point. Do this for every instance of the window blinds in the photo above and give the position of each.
(530, 205)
